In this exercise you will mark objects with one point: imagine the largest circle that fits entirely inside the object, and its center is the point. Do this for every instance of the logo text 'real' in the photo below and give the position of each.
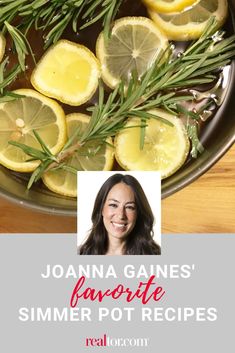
(107, 341)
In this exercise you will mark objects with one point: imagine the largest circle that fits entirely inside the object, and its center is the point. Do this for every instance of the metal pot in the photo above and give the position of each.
(218, 136)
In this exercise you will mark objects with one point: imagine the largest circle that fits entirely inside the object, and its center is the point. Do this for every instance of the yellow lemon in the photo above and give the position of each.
(166, 6)
(190, 24)
(19, 118)
(93, 155)
(165, 146)
(2, 46)
(134, 45)
(68, 72)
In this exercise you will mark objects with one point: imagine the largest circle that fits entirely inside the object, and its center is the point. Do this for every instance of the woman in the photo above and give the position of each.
(122, 220)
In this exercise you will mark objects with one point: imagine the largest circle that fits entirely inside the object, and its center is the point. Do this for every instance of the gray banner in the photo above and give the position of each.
(193, 280)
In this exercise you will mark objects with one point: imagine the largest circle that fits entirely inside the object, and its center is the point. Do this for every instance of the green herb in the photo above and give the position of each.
(2, 71)
(54, 16)
(6, 79)
(45, 156)
(156, 88)
(10, 96)
(21, 45)
(192, 132)
(22, 48)
(106, 10)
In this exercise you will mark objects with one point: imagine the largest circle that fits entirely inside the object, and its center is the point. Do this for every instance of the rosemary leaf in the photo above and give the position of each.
(30, 151)
(10, 77)
(71, 140)
(146, 115)
(43, 145)
(2, 70)
(186, 112)
(21, 43)
(10, 96)
(69, 169)
(38, 172)
(192, 132)
(142, 133)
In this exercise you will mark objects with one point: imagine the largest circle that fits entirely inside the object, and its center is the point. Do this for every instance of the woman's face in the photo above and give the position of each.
(119, 211)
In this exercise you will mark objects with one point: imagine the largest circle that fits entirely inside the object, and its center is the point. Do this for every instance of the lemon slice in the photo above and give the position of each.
(92, 156)
(2, 46)
(19, 118)
(134, 45)
(165, 147)
(166, 6)
(68, 72)
(191, 23)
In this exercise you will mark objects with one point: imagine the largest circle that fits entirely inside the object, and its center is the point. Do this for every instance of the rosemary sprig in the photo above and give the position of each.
(5, 80)
(22, 48)
(44, 155)
(156, 88)
(106, 10)
(192, 132)
(21, 45)
(150, 91)
(2, 71)
(53, 17)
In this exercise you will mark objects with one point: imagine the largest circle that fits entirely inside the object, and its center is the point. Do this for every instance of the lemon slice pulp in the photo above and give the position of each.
(190, 24)
(19, 118)
(2, 46)
(68, 72)
(166, 6)
(134, 45)
(94, 155)
(165, 147)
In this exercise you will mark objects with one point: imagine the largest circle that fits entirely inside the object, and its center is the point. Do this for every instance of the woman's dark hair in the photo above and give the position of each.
(140, 240)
